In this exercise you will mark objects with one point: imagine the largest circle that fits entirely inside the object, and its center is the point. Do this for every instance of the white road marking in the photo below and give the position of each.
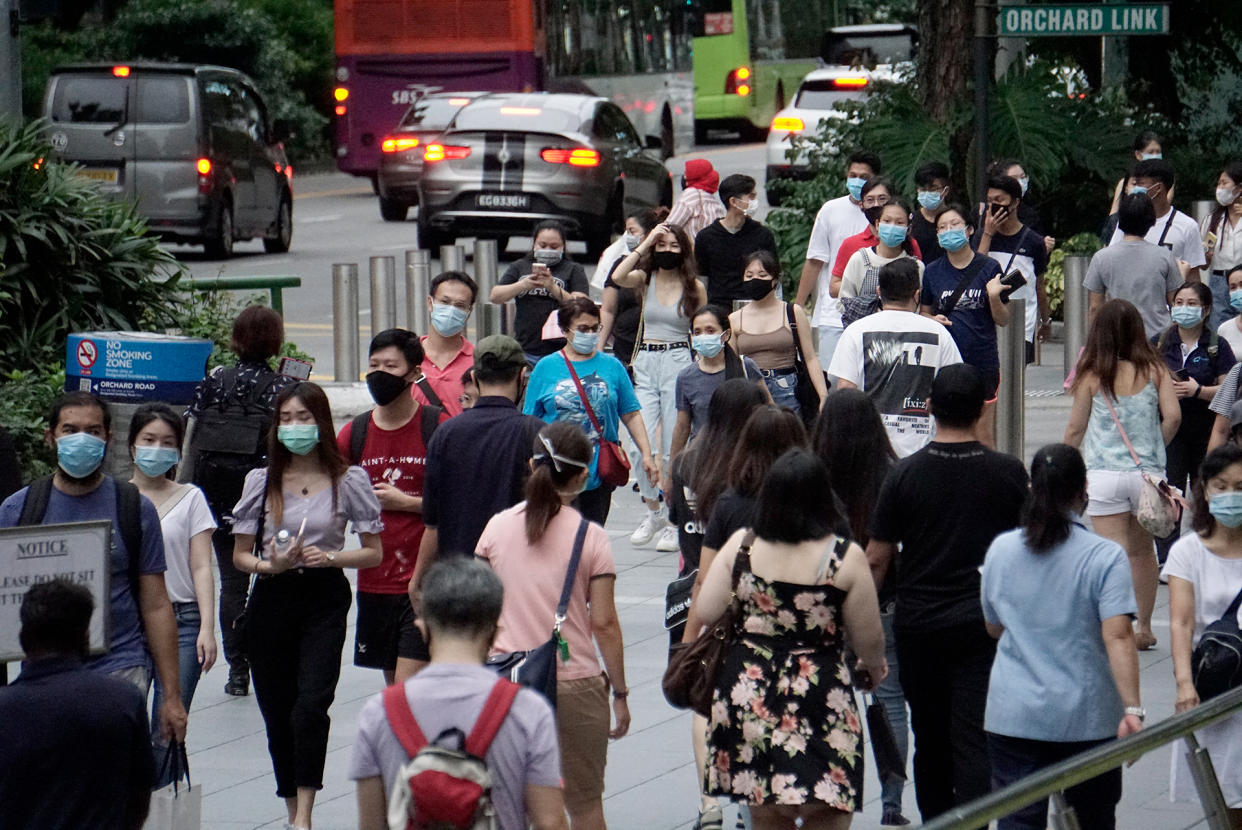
(310, 220)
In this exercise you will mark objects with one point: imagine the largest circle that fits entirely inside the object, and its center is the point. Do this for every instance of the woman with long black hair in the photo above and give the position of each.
(295, 618)
(1222, 242)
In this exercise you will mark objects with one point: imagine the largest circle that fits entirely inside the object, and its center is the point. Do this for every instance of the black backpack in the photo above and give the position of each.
(1216, 664)
(361, 423)
(230, 440)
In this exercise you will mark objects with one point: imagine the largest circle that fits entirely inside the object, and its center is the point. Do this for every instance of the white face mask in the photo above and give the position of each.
(1226, 196)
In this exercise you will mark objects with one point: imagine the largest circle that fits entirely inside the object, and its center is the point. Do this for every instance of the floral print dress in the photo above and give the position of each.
(784, 727)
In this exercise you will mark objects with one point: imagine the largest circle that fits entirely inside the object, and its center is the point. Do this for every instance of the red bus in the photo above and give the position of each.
(390, 52)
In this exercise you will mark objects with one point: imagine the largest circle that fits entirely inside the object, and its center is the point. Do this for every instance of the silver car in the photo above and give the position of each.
(509, 161)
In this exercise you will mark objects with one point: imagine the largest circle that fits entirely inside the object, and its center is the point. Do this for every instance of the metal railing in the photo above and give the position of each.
(274, 285)
(1054, 780)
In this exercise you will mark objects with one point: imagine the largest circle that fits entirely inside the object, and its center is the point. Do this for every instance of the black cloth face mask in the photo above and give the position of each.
(385, 387)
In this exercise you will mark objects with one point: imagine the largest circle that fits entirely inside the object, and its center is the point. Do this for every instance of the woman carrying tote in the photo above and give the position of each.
(530, 546)
(1125, 412)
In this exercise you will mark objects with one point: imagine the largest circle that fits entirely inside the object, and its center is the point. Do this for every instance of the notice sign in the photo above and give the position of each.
(77, 551)
(1083, 20)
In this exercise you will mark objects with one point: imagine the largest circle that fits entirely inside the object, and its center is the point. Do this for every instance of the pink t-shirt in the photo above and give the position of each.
(533, 576)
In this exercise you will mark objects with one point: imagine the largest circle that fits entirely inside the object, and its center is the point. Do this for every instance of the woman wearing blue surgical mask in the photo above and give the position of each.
(559, 384)
(295, 618)
(155, 436)
(860, 281)
(1221, 231)
(1205, 576)
(1231, 329)
(1199, 361)
(537, 284)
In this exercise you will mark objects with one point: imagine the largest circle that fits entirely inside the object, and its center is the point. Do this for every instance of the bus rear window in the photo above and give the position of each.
(89, 99)
(163, 99)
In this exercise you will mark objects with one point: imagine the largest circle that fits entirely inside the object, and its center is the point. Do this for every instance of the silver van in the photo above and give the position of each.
(192, 145)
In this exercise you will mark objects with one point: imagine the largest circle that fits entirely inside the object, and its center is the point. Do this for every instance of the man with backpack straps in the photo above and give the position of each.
(518, 781)
(390, 443)
(141, 617)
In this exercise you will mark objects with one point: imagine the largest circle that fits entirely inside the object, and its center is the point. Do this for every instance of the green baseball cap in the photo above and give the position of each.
(499, 351)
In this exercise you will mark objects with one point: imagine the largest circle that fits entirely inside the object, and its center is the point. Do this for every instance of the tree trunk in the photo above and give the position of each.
(945, 31)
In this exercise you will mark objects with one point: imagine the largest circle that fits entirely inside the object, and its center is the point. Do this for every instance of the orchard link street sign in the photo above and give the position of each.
(1087, 20)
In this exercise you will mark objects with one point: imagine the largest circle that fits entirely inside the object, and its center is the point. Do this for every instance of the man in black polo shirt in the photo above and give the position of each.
(477, 462)
(722, 245)
(75, 747)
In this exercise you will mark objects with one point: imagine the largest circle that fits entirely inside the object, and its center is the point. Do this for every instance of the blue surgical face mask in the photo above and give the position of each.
(1186, 316)
(1226, 508)
(1150, 156)
(855, 185)
(954, 239)
(584, 342)
(155, 461)
(1024, 183)
(298, 439)
(1138, 188)
(708, 345)
(1235, 299)
(930, 199)
(79, 454)
(892, 235)
(447, 319)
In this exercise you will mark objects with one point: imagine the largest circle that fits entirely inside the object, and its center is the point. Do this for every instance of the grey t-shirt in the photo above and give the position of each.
(442, 696)
(695, 387)
(1141, 273)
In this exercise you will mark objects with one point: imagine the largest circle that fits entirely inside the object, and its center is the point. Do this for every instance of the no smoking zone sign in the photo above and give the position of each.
(88, 353)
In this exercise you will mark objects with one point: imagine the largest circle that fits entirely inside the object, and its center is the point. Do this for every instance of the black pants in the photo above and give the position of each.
(295, 630)
(595, 504)
(233, 587)
(1183, 456)
(1094, 801)
(944, 674)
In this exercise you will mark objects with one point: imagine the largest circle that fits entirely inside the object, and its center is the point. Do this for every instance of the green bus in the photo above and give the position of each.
(749, 56)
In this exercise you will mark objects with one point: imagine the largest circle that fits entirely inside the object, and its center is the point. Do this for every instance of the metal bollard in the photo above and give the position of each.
(1074, 309)
(452, 258)
(1011, 397)
(486, 313)
(417, 289)
(1062, 815)
(383, 294)
(1215, 810)
(345, 366)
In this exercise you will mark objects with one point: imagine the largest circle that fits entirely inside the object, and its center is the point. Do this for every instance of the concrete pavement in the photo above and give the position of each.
(650, 778)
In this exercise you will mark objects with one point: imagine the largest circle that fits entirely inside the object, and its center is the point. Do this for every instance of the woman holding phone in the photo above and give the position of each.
(295, 618)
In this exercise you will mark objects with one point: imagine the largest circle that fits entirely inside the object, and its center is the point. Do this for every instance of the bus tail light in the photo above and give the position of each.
(341, 93)
(398, 144)
(849, 83)
(441, 152)
(120, 71)
(738, 82)
(577, 157)
(340, 109)
(787, 124)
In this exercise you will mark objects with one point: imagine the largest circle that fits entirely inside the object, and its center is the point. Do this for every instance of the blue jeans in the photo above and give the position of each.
(782, 387)
(655, 385)
(188, 670)
(889, 694)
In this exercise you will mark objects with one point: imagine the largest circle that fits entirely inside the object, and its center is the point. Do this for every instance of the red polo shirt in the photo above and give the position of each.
(446, 381)
(851, 245)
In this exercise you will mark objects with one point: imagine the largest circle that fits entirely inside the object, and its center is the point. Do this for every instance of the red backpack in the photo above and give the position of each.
(440, 787)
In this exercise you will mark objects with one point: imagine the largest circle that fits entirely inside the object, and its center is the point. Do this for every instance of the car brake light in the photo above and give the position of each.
(340, 93)
(441, 152)
(849, 83)
(120, 71)
(398, 144)
(736, 84)
(577, 157)
(341, 109)
(787, 123)
(520, 111)
(458, 102)
(204, 167)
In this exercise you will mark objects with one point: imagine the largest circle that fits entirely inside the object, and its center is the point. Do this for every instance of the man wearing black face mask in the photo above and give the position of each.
(722, 245)
(390, 443)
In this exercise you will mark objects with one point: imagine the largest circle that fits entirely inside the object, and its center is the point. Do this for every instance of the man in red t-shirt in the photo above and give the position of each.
(876, 193)
(393, 451)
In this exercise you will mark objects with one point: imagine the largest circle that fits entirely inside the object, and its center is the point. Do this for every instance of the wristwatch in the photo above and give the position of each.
(331, 557)
(1138, 712)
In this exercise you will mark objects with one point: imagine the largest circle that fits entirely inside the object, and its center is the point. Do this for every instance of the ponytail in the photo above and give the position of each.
(561, 453)
(1058, 477)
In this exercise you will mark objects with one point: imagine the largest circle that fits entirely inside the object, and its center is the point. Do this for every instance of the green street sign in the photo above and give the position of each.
(1083, 20)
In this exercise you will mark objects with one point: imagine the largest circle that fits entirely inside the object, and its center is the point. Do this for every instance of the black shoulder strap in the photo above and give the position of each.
(34, 508)
(793, 327)
(567, 589)
(1168, 224)
(431, 419)
(1231, 613)
(129, 519)
(968, 276)
(432, 398)
(358, 436)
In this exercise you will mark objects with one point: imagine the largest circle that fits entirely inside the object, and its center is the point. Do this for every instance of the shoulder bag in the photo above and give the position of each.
(968, 276)
(690, 679)
(1160, 503)
(536, 669)
(613, 467)
(1216, 663)
(805, 391)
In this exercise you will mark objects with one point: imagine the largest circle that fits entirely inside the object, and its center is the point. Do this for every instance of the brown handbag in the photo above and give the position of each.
(690, 679)
(613, 468)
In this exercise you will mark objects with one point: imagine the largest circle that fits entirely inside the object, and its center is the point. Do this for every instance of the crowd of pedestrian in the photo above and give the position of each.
(840, 494)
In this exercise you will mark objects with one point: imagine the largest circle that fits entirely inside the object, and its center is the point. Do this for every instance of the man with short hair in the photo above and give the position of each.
(1001, 235)
(837, 220)
(448, 354)
(893, 356)
(390, 443)
(1172, 229)
(75, 747)
(932, 181)
(459, 610)
(141, 618)
(936, 515)
(722, 246)
(1134, 269)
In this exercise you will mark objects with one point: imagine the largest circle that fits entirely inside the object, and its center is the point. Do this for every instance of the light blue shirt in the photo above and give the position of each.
(1051, 679)
(1102, 447)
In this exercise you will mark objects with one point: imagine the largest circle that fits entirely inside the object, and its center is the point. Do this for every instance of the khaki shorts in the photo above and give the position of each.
(582, 723)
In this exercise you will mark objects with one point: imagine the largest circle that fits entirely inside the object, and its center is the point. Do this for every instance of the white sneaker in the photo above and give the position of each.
(667, 543)
(645, 531)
